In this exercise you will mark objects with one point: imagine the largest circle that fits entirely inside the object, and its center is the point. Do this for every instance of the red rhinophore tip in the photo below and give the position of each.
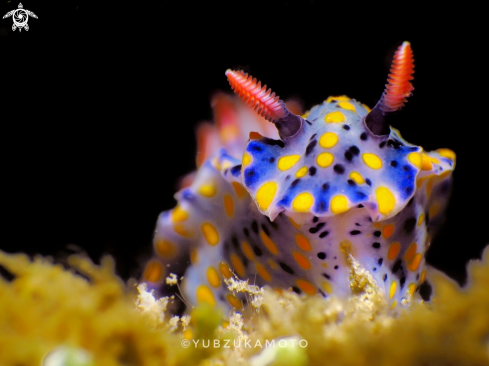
(399, 87)
(264, 101)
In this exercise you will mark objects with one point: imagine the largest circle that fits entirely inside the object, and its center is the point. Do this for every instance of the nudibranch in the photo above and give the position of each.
(291, 203)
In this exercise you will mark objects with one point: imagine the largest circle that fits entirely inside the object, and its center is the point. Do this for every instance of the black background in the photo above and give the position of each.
(99, 105)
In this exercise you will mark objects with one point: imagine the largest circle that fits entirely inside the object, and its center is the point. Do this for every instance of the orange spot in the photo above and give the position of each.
(210, 233)
(412, 288)
(426, 163)
(301, 260)
(377, 225)
(306, 286)
(302, 242)
(255, 135)
(421, 218)
(213, 277)
(238, 265)
(248, 252)
(272, 264)
(228, 205)
(422, 276)
(268, 243)
(239, 189)
(178, 214)
(153, 272)
(410, 252)
(233, 301)
(194, 256)
(180, 229)
(204, 294)
(294, 224)
(387, 231)
(225, 271)
(394, 249)
(164, 248)
(263, 272)
(414, 265)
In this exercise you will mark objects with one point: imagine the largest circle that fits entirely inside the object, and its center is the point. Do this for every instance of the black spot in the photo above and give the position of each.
(313, 136)
(250, 173)
(296, 290)
(315, 219)
(354, 150)
(322, 206)
(309, 123)
(396, 266)
(287, 177)
(382, 144)
(376, 245)
(410, 202)
(351, 182)
(312, 171)
(360, 206)
(321, 292)
(273, 223)
(245, 261)
(408, 190)
(377, 233)
(380, 261)
(425, 291)
(355, 232)
(409, 225)
(363, 136)
(405, 168)
(272, 142)
(265, 229)
(235, 242)
(326, 276)
(322, 255)
(348, 155)
(310, 147)
(246, 232)
(360, 195)
(271, 160)
(335, 267)
(402, 281)
(286, 268)
(427, 218)
(374, 269)
(236, 169)
(395, 143)
(255, 147)
(254, 226)
(325, 186)
(346, 127)
(257, 251)
(369, 183)
(393, 163)
(417, 277)
(338, 168)
(294, 183)
(385, 277)
(318, 227)
(357, 224)
(323, 234)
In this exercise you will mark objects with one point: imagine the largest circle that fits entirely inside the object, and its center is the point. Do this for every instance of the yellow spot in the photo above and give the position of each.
(325, 265)
(426, 163)
(207, 190)
(248, 252)
(246, 159)
(188, 334)
(414, 265)
(239, 189)
(412, 288)
(294, 224)
(237, 265)
(357, 177)
(287, 162)
(347, 105)
(179, 215)
(266, 194)
(328, 139)
(434, 160)
(421, 219)
(339, 204)
(164, 248)
(305, 114)
(301, 260)
(224, 269)
(415, 159)
(306, 286)
(394, 304)
(154, 272)
(303, 202)
(228, 205)
(410, 252)
(429, 187)
(326, 287)
(301, 172)
(422, 276)
(366, 107)
(392, 290)
(387, 231)
(447, 153)
(434, 210)
(263, 272)
(272, 264)
(342, 98)
(268, 243)
(194, 256)
(325, 159)
(372, 161)
(213, 277)
(180, 229)
(394, 249)
(210, 233)
(303, 242)
(385, 199)
(334, 117)
(233, 301)
(204, 294)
